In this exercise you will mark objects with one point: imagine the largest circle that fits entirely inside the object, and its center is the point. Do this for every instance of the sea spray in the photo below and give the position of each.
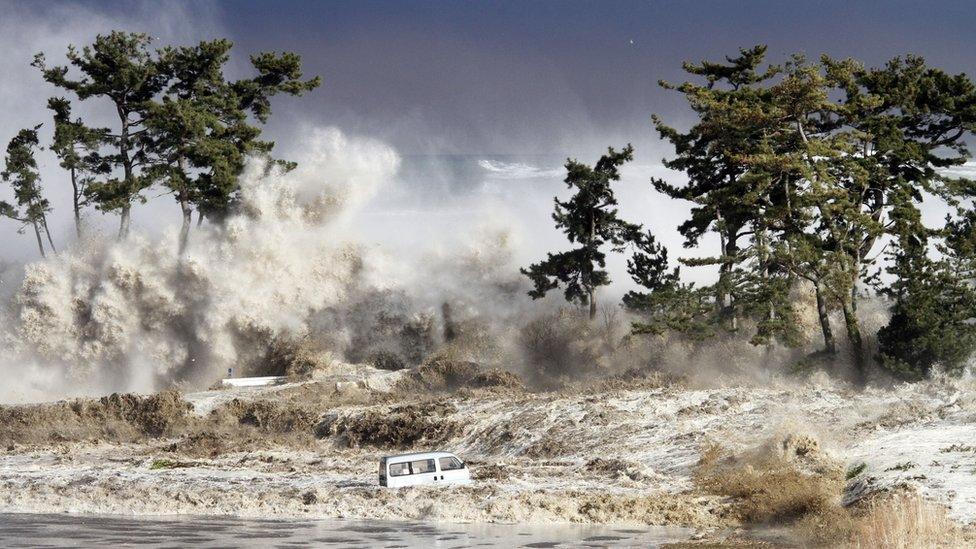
(289, 273)
(134, 315)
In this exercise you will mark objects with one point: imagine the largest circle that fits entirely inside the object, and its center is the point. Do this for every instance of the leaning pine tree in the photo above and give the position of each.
(589, 219)
(21, 172)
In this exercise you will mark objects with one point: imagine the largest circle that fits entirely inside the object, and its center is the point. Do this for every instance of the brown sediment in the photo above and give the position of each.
(289, 417)
(203, 444)
(288, 356)
(445, 375)
(595, 455)
(269, 416)
(785, 481)
(489, 471)
(118, 417)
(616, 468)
(394, 427)
(550, 445)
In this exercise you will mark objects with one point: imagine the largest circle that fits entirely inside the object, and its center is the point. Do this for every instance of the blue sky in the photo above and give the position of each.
(509, 77)
(550, 77)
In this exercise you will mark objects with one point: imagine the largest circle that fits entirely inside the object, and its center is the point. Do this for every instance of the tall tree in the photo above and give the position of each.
(588, 219)
(201, 132)
(709, 154)
(21, 172)
(180, 121)
(734, 135)
(121, 68)
(868, 161)
(77, 147)
(819, 162)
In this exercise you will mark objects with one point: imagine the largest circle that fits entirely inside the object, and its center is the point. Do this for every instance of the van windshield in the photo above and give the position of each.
(450, 464)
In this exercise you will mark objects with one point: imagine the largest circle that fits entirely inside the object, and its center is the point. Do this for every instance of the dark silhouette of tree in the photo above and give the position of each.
(20, 171)
(589, 220)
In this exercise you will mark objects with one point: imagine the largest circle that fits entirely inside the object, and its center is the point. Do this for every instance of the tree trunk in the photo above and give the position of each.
(124, 222)
(77, 203)
(590, 290)
(592, 304)
(48, 233)
(40, 242)
(766, 275)
(730, 247)
(185, 229)
(854, 337)
(127, 171)
(720, 288)
(828, 334)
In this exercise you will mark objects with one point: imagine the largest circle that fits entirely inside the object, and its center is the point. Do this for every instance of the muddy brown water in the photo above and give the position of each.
(64, 530)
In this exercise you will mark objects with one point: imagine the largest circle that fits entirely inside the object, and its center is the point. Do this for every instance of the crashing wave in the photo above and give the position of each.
(518, 170)
(134, 315)
(291, 266)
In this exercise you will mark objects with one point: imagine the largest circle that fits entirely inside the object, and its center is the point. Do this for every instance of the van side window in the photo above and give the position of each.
(399, 469)
(450, 464)
(422, 466)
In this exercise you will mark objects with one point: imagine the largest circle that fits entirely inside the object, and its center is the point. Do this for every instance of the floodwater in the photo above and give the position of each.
(35, 530)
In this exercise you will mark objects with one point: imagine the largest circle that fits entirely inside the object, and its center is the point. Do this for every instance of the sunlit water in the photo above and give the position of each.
(30, 530)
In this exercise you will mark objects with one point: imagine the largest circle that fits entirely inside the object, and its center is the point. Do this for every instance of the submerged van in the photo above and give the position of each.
(423, 468)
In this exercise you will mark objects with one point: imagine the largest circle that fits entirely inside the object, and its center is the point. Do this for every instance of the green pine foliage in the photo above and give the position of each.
(77, 148)
(933, 316)
(121, 69)
(181, 123)
(802, 169)
(20, 171)
(200, 131)
(589, 220)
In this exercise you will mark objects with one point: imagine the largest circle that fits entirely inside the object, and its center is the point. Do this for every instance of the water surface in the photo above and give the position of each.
(35, 530)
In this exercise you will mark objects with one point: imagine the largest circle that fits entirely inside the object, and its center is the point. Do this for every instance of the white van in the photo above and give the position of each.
(423, 468)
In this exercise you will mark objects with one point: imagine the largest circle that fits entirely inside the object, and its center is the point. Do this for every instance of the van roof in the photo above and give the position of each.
(419, 455)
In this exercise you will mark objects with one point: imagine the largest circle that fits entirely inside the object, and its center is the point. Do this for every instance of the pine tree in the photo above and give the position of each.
(730, 157)
(664, 303)
(933, 312)
(20, 171)
(200, 131)
(77, 148)
(181, 122)
(812, 164)
(868, 161)
(121, 68)
(589, 219)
